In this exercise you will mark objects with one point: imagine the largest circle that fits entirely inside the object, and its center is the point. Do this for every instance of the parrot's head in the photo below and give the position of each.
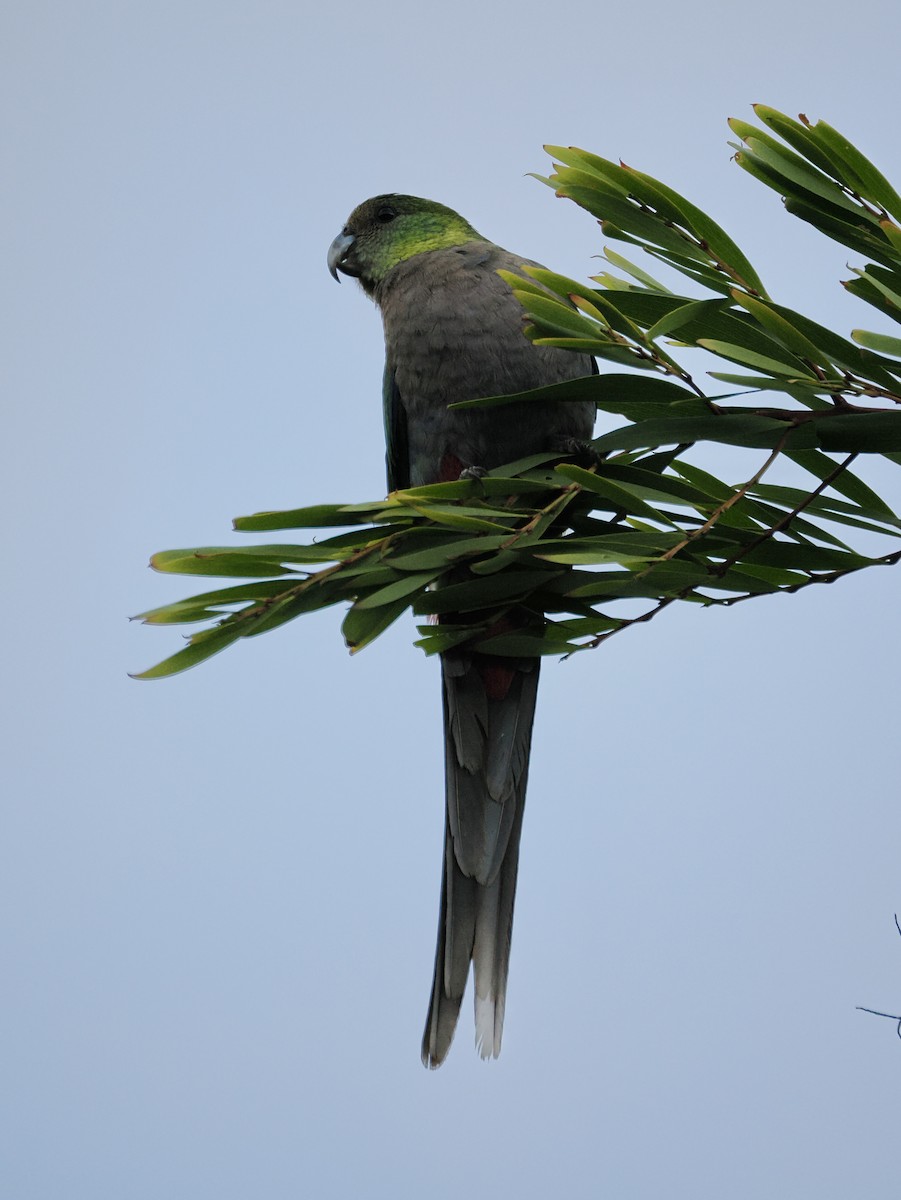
(386, 230)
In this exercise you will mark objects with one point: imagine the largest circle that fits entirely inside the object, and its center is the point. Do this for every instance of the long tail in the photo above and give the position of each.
(489, 705)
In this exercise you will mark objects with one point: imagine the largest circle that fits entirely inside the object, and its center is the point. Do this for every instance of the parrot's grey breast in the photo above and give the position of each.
(454, 331)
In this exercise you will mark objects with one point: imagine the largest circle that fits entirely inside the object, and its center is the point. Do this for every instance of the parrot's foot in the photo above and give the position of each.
(583, 452)
(473, 472)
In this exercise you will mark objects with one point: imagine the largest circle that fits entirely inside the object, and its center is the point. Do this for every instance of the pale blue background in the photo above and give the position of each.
(219, 892)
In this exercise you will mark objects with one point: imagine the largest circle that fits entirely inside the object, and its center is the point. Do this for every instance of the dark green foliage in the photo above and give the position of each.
(646, 524)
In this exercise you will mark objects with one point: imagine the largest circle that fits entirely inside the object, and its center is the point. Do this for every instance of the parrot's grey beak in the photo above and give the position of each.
(337, 252)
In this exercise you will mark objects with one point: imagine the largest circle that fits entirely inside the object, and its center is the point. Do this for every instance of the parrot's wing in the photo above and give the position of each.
(397, 451)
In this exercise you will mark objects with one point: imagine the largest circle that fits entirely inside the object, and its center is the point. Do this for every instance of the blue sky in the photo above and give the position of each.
(218, 893)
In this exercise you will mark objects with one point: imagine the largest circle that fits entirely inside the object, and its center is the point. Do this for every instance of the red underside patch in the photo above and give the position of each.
(450, 468)
(496, 678)
(495, 673)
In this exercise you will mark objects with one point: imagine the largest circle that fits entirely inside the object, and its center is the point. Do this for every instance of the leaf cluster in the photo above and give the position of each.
(551, 556)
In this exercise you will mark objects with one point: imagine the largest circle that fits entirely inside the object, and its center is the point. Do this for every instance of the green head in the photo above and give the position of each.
(383, 231)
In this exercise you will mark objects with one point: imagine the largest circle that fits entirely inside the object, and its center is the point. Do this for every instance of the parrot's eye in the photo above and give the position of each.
(385, 214)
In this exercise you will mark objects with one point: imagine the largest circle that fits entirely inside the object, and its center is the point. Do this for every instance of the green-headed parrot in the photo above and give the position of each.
(454, 331)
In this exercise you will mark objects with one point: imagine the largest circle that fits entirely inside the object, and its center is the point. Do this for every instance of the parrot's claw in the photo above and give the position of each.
(473, 473)
(583, 452)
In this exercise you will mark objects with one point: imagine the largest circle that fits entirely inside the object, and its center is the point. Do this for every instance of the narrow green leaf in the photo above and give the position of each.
(484, 592)
(561, 285)
(759, 383)
(701, 273)
(183, 612)
(406, 586)
(489, 485)
(265, 617)
(624, 544)
(604, 170)
(317, 515)
(712, 236)
(455, 518)
(694, 311)
(636, 272)
(445, 552)
(865, 291)
(787, 333)
(497, 562)
(792, 132)
(883, 282)
(791, 370)
(168, 613)
(777, 577)
(877, 341)
(878, 519)
(621, 216)
(892, 232)
(588, 626)
(869, 181)
(793, 556)
(805, 182)
(593, 556)
(553, 315)
(213, 560)
(523, 284)
(621, 495)
(522, 645)
(839, 350)
(363, 625)
(847, 232)
(737, 580)
(735, 430)
(611, 282)
(821, 466)
(194, 653)
(644, 389)
(656, 486)
(438, 638)
(830, 505)
(861, 432)
(596, 347)
(716, 489)
(645, 308)
(660, 579)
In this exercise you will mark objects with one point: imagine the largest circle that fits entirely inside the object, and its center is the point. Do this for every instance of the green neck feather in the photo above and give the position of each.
(413, 234)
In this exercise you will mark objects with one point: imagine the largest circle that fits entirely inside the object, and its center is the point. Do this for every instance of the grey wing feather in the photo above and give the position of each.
(453, 331)
(486, 790)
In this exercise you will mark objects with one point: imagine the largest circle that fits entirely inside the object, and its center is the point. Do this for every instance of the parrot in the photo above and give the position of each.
(454, 331)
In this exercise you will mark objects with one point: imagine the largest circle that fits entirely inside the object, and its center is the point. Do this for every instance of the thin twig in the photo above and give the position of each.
(721, 568)
(561, 500)
(887, 560)
(737, 495)
(785, 521)
(891, 1016)
(875, 1012)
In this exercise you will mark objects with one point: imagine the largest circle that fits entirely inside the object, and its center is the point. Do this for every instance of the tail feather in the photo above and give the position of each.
(488, 733)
